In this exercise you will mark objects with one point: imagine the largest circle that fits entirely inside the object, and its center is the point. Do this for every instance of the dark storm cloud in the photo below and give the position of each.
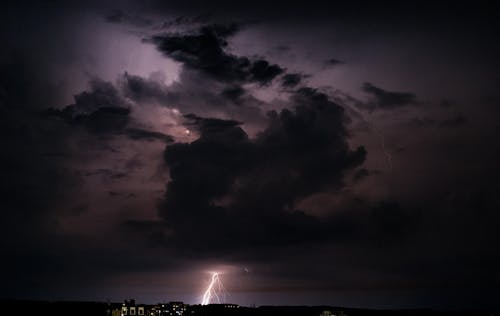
(100, 111)
(103, 110)
(384, 99)
(206, 51)
(264, 72)
(102, 94)
(145, 90)
(291, 80)
(233, 93)
(240, 193)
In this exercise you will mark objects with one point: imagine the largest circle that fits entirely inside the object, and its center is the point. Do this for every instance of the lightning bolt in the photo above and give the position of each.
(214, 290)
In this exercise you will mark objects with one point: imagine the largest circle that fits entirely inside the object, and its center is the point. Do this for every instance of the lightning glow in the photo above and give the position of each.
(214, 292)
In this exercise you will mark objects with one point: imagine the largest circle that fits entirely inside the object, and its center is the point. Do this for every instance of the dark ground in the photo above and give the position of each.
(26, 307)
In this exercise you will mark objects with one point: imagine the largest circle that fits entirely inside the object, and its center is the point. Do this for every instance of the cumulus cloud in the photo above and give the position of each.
(240, 193)
(205, 51)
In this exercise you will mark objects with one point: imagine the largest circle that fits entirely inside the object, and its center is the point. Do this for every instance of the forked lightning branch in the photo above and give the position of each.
(215, 293)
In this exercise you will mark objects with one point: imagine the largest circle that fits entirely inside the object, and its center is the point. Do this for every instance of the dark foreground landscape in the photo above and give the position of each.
(129, 308)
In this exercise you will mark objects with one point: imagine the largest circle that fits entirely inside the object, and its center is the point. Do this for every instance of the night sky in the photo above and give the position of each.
(311, 152)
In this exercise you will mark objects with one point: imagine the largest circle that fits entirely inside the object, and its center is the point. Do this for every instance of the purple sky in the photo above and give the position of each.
(312, 153)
